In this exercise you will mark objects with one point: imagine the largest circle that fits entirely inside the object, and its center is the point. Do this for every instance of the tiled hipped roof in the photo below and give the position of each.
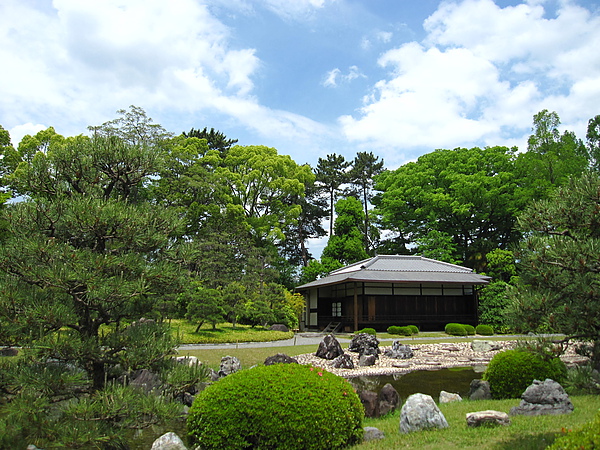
(400, 269)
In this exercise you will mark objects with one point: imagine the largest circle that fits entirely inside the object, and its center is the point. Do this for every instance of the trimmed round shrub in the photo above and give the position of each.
(414, 328)
(402, 331)
(470, 329)
(455, 329)
(370, 331)
(588, 436)
(484, 330)
(512, 371)
(289, 406)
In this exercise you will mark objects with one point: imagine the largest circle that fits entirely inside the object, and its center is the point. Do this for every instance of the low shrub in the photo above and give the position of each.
(470, 329)
(402, 331)
(455, 329)
(414, 328)
(588, 436)
(512, 371)
(289, 406)
(484, 330)
(367, 331)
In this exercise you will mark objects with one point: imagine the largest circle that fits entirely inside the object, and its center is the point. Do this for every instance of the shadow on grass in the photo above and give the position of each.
(527, 442)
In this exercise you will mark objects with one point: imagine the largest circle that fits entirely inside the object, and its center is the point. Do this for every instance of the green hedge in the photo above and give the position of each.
(455, 329)
(289, 406)
(414, 328)
(367, 331)
(484, 330)
(402, 331)
(512, 371)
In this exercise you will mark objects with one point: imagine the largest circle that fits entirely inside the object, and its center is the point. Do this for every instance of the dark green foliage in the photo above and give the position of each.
(484, 330)
(455, 329)
(470, 329)
(289, 406)
(582, 380)
(512, 371)
(586, 437)
(493, 301)
(402, 331)
(367, 331)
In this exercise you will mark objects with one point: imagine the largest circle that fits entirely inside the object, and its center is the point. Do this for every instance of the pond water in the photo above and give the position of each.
(430, 382)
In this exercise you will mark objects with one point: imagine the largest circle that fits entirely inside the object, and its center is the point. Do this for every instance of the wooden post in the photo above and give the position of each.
(355, 307)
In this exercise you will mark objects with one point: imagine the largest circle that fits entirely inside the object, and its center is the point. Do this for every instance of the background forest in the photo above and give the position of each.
(133, 221)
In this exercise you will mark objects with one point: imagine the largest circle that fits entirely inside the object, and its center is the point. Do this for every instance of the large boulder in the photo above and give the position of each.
(543, 398)
(168, 441)
(280, 358)
(480, 390)
(365, 344)
(487, 418)
(329, 348)
(367, 360)
(449, 397)
(229, 365)
(388, 399)
(279, 327)
(372, 434)
(399, 351)
(343, 362)
(420, 412)
(370, 403)
(480, 346)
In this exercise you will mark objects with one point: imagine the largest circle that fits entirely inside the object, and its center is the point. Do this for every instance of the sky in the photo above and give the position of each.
(399, 78)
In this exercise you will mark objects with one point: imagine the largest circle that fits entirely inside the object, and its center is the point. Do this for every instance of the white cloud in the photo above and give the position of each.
(480, 75)
(334, 77)
(17, 133)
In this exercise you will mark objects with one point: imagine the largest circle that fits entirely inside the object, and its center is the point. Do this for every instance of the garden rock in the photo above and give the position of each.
(388, 399)
(168, 441)
(187, 360)
(367, 360)
(487, 418)
(343, 362)
(372, 434)
(480, 390)
(229, 365)
(449, 397)
(484, 346)
(280, 358)
(370, 403)
(420, 412)
(279, 327)
(543, 398)
(9, 351)
(365, 344)
(145, 380)
(399, 351)
(329, 348)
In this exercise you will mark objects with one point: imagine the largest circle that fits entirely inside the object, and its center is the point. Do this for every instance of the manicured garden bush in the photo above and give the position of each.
(289, 406)
(402, 331)
(367, 330)
(455, 329)
(414, 328)
(470, 329)
(588, 436)
(484, 330)
(512, 371)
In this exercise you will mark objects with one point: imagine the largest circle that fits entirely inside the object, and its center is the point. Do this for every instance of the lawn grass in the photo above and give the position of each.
(224, 333)
(524, 433)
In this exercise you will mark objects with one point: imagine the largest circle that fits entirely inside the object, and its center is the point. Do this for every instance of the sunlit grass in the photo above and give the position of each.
(224, 333)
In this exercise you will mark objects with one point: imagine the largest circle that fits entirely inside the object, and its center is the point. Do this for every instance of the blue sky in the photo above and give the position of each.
(399, 78)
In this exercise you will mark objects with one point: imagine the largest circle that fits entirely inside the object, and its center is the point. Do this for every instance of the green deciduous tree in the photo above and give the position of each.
(347, 244)
(471, 195)
(560, 264)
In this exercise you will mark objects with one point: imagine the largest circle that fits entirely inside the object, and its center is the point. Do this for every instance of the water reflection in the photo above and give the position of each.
(430, 382)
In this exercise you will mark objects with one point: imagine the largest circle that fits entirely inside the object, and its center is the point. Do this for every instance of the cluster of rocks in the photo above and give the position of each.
(365, 356)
